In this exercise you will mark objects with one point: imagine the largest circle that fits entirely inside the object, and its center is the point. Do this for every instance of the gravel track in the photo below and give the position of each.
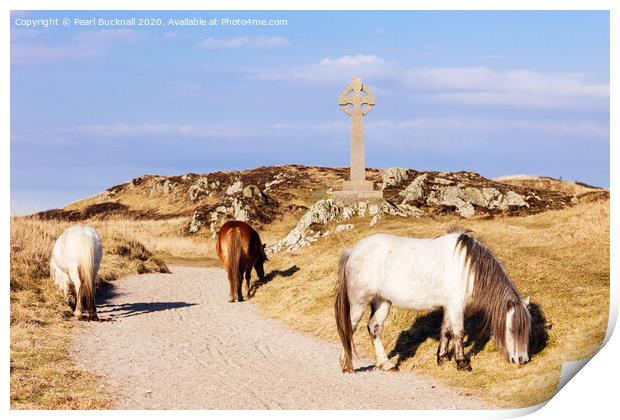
(174, 342)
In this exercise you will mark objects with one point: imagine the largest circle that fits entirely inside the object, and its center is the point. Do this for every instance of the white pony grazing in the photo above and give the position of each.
(455, 272)
(74, 265)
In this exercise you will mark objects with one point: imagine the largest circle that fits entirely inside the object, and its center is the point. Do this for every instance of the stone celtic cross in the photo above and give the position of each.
(356, 101)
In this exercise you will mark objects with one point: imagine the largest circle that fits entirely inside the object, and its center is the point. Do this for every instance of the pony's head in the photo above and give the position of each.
(260, 261)
(517, 331)
(506, 315)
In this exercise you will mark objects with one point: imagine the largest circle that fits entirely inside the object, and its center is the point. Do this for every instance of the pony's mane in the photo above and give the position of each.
(457, 229)
(494, 292)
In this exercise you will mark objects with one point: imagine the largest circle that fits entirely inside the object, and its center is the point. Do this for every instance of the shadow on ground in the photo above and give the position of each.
(429, 325)
(272, 275)
(125, 310)
(106, 291)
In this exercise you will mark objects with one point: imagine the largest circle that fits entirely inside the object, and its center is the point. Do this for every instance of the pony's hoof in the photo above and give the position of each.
(94, 317)
(463, 365)
(348, 370)
(387, 367)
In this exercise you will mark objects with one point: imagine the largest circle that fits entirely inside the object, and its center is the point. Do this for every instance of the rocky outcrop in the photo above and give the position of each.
(162, 187)
(233, 189)
(440, 191)
(314, 224)
(343, 228)
(252, 192)
(414, 191)
(247, 204)
(265, 194)
(198, 190)
(394, 176)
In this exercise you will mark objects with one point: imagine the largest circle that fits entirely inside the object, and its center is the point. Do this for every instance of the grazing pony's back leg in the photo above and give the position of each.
(74, 276)
(231, 282)
(357, 310)
(380, 309)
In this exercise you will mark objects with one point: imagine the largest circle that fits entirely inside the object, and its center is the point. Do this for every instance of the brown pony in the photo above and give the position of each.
(239, 248)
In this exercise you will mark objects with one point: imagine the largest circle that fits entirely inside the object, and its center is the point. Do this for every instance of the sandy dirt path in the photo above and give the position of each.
(174, 342)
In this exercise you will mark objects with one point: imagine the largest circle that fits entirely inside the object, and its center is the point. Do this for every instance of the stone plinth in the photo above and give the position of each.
(358, 190)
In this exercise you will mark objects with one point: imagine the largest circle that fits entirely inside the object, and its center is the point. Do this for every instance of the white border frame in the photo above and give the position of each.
(592, 394)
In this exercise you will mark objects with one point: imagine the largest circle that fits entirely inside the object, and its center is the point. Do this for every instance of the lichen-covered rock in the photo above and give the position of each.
(443, 181)
(235, 188)
(347, 212)
(373, 209)
(253, 192)
(199, 189)
(415, 190)
(168, 186)
(512, 199)
(322, 212)
(451, 197)
(330, 210)
(342, 228)
(195, 224)
(242, 215)
(394, 176)
(361, 208)
(278, 179)
(464, 199)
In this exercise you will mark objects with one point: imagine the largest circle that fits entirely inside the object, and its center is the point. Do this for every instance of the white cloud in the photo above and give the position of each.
(244, 41)
(484, 86)
(329, 70)
(389, 128)
(463, 85)
(391, 131)
(122, 131)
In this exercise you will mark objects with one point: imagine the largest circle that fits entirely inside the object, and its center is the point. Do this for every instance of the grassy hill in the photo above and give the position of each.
(552, 235)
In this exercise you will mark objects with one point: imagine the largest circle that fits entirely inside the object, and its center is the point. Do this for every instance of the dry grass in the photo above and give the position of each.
(43, 375)
(560, 258)
(548, 184)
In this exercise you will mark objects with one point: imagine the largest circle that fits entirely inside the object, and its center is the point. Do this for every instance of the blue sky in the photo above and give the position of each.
(498, 93)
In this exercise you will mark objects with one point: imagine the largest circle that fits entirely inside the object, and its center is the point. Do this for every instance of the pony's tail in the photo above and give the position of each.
(343, 315)
(87, 272)
(234, 255)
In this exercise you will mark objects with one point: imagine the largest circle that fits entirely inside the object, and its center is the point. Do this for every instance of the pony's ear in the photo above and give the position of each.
(526, 301)
(264, 245)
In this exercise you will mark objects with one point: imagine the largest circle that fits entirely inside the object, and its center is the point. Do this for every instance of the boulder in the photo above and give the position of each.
(199, 189)
(342, 228)
(415, 190)
(168, 186)
(394, 176)
(235, 188)
(451, 197)
(195, 224)
(252, 191)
